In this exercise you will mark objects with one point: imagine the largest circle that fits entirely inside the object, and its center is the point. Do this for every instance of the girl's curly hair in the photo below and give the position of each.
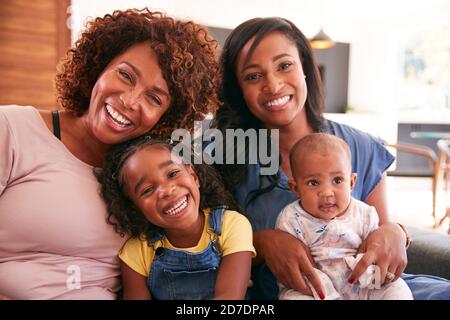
(185, 50)
(124, 215)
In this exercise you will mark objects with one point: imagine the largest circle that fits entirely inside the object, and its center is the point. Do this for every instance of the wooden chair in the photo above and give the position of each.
(444, 171)
(428, 153)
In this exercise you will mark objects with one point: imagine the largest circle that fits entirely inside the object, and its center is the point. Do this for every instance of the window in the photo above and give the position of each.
(425, 83)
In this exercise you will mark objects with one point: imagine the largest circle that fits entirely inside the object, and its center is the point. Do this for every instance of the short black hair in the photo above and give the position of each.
(317, 143)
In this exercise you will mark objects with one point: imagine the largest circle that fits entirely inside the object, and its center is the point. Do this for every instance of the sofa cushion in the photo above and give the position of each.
(429, 253)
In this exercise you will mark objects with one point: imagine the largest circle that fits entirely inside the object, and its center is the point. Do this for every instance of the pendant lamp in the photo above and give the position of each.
(321, 40)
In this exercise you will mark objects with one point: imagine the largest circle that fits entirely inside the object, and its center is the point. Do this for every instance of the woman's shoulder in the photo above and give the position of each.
(14, 109)
(345, 131)
(22, 120)
(355, 138)
(16, 114)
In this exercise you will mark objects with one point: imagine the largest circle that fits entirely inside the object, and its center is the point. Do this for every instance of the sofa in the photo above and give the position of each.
(429, 253)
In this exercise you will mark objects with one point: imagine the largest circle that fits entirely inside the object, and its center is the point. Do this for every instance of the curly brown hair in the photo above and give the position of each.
(185, 50)
(124, 215)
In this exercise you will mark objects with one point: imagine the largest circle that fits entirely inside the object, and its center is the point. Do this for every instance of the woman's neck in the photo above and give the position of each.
(77, 137)
(290, 134)
(288, 137)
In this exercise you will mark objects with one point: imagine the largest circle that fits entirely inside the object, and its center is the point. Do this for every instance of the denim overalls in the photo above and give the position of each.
(178, 275)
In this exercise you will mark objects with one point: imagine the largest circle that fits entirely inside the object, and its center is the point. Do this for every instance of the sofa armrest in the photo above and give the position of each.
(429, 253)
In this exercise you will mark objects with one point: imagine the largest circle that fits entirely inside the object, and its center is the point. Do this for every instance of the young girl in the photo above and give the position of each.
(184, 244)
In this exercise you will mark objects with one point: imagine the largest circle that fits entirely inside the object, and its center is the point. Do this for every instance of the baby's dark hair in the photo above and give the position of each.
(124, 215)
(321, 143)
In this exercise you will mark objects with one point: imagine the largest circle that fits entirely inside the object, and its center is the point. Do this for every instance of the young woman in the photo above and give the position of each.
(271, 80)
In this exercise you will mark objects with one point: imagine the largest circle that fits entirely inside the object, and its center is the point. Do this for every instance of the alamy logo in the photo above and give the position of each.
(74, 279)
(261, 144)
(371, 279)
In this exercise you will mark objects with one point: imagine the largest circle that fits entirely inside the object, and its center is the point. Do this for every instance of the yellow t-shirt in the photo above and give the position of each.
(236, 236)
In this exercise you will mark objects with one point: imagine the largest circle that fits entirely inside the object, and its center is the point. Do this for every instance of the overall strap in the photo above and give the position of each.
(215, 219)
(56, 127)
(156, 236)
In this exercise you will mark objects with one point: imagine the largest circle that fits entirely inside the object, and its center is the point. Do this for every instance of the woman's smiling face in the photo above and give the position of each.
(130, 96)
(272, 80)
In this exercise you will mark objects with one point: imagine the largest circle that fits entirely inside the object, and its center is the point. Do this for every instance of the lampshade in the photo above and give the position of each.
(321, 40)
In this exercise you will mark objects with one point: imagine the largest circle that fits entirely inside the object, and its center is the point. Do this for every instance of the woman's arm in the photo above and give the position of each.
(134, 284)
(385, 246)
(233, 276)
(378, 199)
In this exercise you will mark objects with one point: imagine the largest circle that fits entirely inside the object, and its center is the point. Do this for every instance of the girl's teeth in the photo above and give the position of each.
(177, 207)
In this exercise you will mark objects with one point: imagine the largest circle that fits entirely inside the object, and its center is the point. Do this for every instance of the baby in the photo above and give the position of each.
(332, 223)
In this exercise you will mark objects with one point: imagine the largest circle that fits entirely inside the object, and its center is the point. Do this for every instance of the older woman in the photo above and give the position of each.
(132, 72)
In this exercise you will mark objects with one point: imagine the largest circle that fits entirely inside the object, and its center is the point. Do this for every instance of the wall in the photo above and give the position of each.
(374, 29)
(33, 38)
(334, 66)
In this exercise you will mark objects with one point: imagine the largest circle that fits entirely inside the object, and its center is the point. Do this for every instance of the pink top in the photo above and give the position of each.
(54, 239)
